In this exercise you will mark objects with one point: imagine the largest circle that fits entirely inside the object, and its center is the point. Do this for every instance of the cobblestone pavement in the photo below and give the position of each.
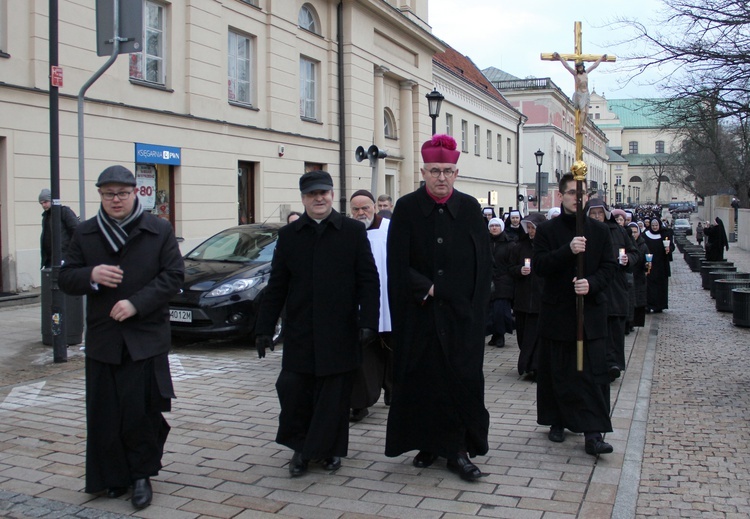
(696, 461)
(222, 461)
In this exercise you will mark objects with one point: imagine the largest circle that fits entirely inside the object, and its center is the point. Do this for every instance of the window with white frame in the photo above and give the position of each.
(449, 124)
(239, 68)
(389, 124)
(507, 150)
(150, 64)
(464, 137)
(308, 19)
(476, 139)
(659, 146)
(489, 144)
(499, 147)
(308, 89)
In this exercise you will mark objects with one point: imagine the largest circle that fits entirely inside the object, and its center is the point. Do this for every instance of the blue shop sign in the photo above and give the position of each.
(157, 154)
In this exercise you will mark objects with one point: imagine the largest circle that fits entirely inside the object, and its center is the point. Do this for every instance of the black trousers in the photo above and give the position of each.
(126, 430)
(314, 418)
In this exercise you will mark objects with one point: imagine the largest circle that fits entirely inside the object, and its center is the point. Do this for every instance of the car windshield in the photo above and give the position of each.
(681, 222)
(237, 245)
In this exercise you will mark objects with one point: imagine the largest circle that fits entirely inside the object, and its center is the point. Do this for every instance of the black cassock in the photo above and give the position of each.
(438, 342)
(657, 281)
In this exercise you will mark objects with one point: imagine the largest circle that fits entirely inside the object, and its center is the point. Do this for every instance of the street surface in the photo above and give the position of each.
(680, 413)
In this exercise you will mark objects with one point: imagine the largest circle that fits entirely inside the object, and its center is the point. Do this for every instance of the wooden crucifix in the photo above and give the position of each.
(581, 96)
(581, 99)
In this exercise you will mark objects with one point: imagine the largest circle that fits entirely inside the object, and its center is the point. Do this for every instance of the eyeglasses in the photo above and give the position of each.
(570, 192)
(122, 195)
(447, 172)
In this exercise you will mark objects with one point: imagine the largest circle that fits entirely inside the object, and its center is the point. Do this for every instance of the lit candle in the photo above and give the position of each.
(527, 262)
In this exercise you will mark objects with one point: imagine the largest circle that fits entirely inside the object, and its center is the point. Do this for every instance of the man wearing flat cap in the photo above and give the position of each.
(128, 264)
(377, 359)
(324, 273)
(439, 276)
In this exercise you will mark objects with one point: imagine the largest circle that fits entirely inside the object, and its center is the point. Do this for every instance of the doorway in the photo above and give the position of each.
(246, 192)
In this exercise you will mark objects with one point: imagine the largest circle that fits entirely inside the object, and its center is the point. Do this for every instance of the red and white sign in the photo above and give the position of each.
(145, 178)
(56, 76)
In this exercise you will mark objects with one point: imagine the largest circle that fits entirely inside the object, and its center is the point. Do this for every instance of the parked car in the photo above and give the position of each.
(224, 281)
(683, 224)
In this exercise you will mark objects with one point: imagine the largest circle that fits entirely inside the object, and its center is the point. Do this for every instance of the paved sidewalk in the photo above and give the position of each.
(222, 461)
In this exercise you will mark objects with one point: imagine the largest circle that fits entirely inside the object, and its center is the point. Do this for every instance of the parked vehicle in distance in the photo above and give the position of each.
(683, 224)
(224, 281)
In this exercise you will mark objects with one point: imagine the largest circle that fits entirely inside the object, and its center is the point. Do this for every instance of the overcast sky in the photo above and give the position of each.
(510, 35)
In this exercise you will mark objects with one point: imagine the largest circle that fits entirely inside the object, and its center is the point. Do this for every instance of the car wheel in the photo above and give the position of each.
(278, 331)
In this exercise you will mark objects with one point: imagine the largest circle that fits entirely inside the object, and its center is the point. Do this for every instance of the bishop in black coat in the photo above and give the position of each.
(439, 277)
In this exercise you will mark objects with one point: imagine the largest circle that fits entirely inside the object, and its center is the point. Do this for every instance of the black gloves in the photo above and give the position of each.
(261, 343)
(367, 336)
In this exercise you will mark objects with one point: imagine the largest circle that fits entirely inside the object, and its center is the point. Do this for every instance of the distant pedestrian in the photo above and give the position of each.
(385, 206)
(657, 283)
(127, 262)
(716, 240)
(501, 297)
(527, 296)
(293, 216)
(68, 223)
(699, 233)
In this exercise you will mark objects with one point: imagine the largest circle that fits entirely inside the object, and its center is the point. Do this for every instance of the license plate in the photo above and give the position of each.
(181, 316)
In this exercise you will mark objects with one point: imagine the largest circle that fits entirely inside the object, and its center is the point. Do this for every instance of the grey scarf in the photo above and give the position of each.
(116, 233)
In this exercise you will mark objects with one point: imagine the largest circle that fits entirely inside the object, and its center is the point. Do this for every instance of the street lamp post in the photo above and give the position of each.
(629, 187)
(539, 156)
(434, 100)
(605, 185)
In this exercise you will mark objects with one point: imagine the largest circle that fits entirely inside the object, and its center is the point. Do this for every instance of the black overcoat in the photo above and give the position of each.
(438, 342)
(501, 247)
(617, 292)
(555, 262)
(328, 279)
(528, 289)
(68, 223)
(153, 273)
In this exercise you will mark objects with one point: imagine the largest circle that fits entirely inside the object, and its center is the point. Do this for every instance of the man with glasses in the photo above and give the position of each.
(439, 276)
(129, 265)
(568, 398)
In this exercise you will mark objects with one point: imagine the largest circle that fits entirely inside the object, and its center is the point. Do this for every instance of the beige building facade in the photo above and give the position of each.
(228, 103)
(636, 135)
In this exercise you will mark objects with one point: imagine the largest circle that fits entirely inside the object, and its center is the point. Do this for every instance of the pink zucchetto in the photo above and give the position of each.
(440, 149)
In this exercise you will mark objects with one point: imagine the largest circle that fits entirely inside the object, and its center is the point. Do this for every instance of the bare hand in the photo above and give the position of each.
(107, 275)
(556, 55)
(581, 286)
(624, 259)
(525, 271)
(122, 310)
(578, 244)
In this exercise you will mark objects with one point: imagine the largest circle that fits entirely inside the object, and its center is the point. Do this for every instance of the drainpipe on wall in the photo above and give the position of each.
(342, 114)
(518, 161)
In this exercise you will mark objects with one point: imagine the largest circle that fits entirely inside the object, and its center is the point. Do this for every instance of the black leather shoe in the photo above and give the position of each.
(464, 468)
(614, 373)
(556, 434)
(332, 463)
(358, 414)
(298, 465)
(115, 492)
(598, 446)
(424, 459)
(142, 493)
